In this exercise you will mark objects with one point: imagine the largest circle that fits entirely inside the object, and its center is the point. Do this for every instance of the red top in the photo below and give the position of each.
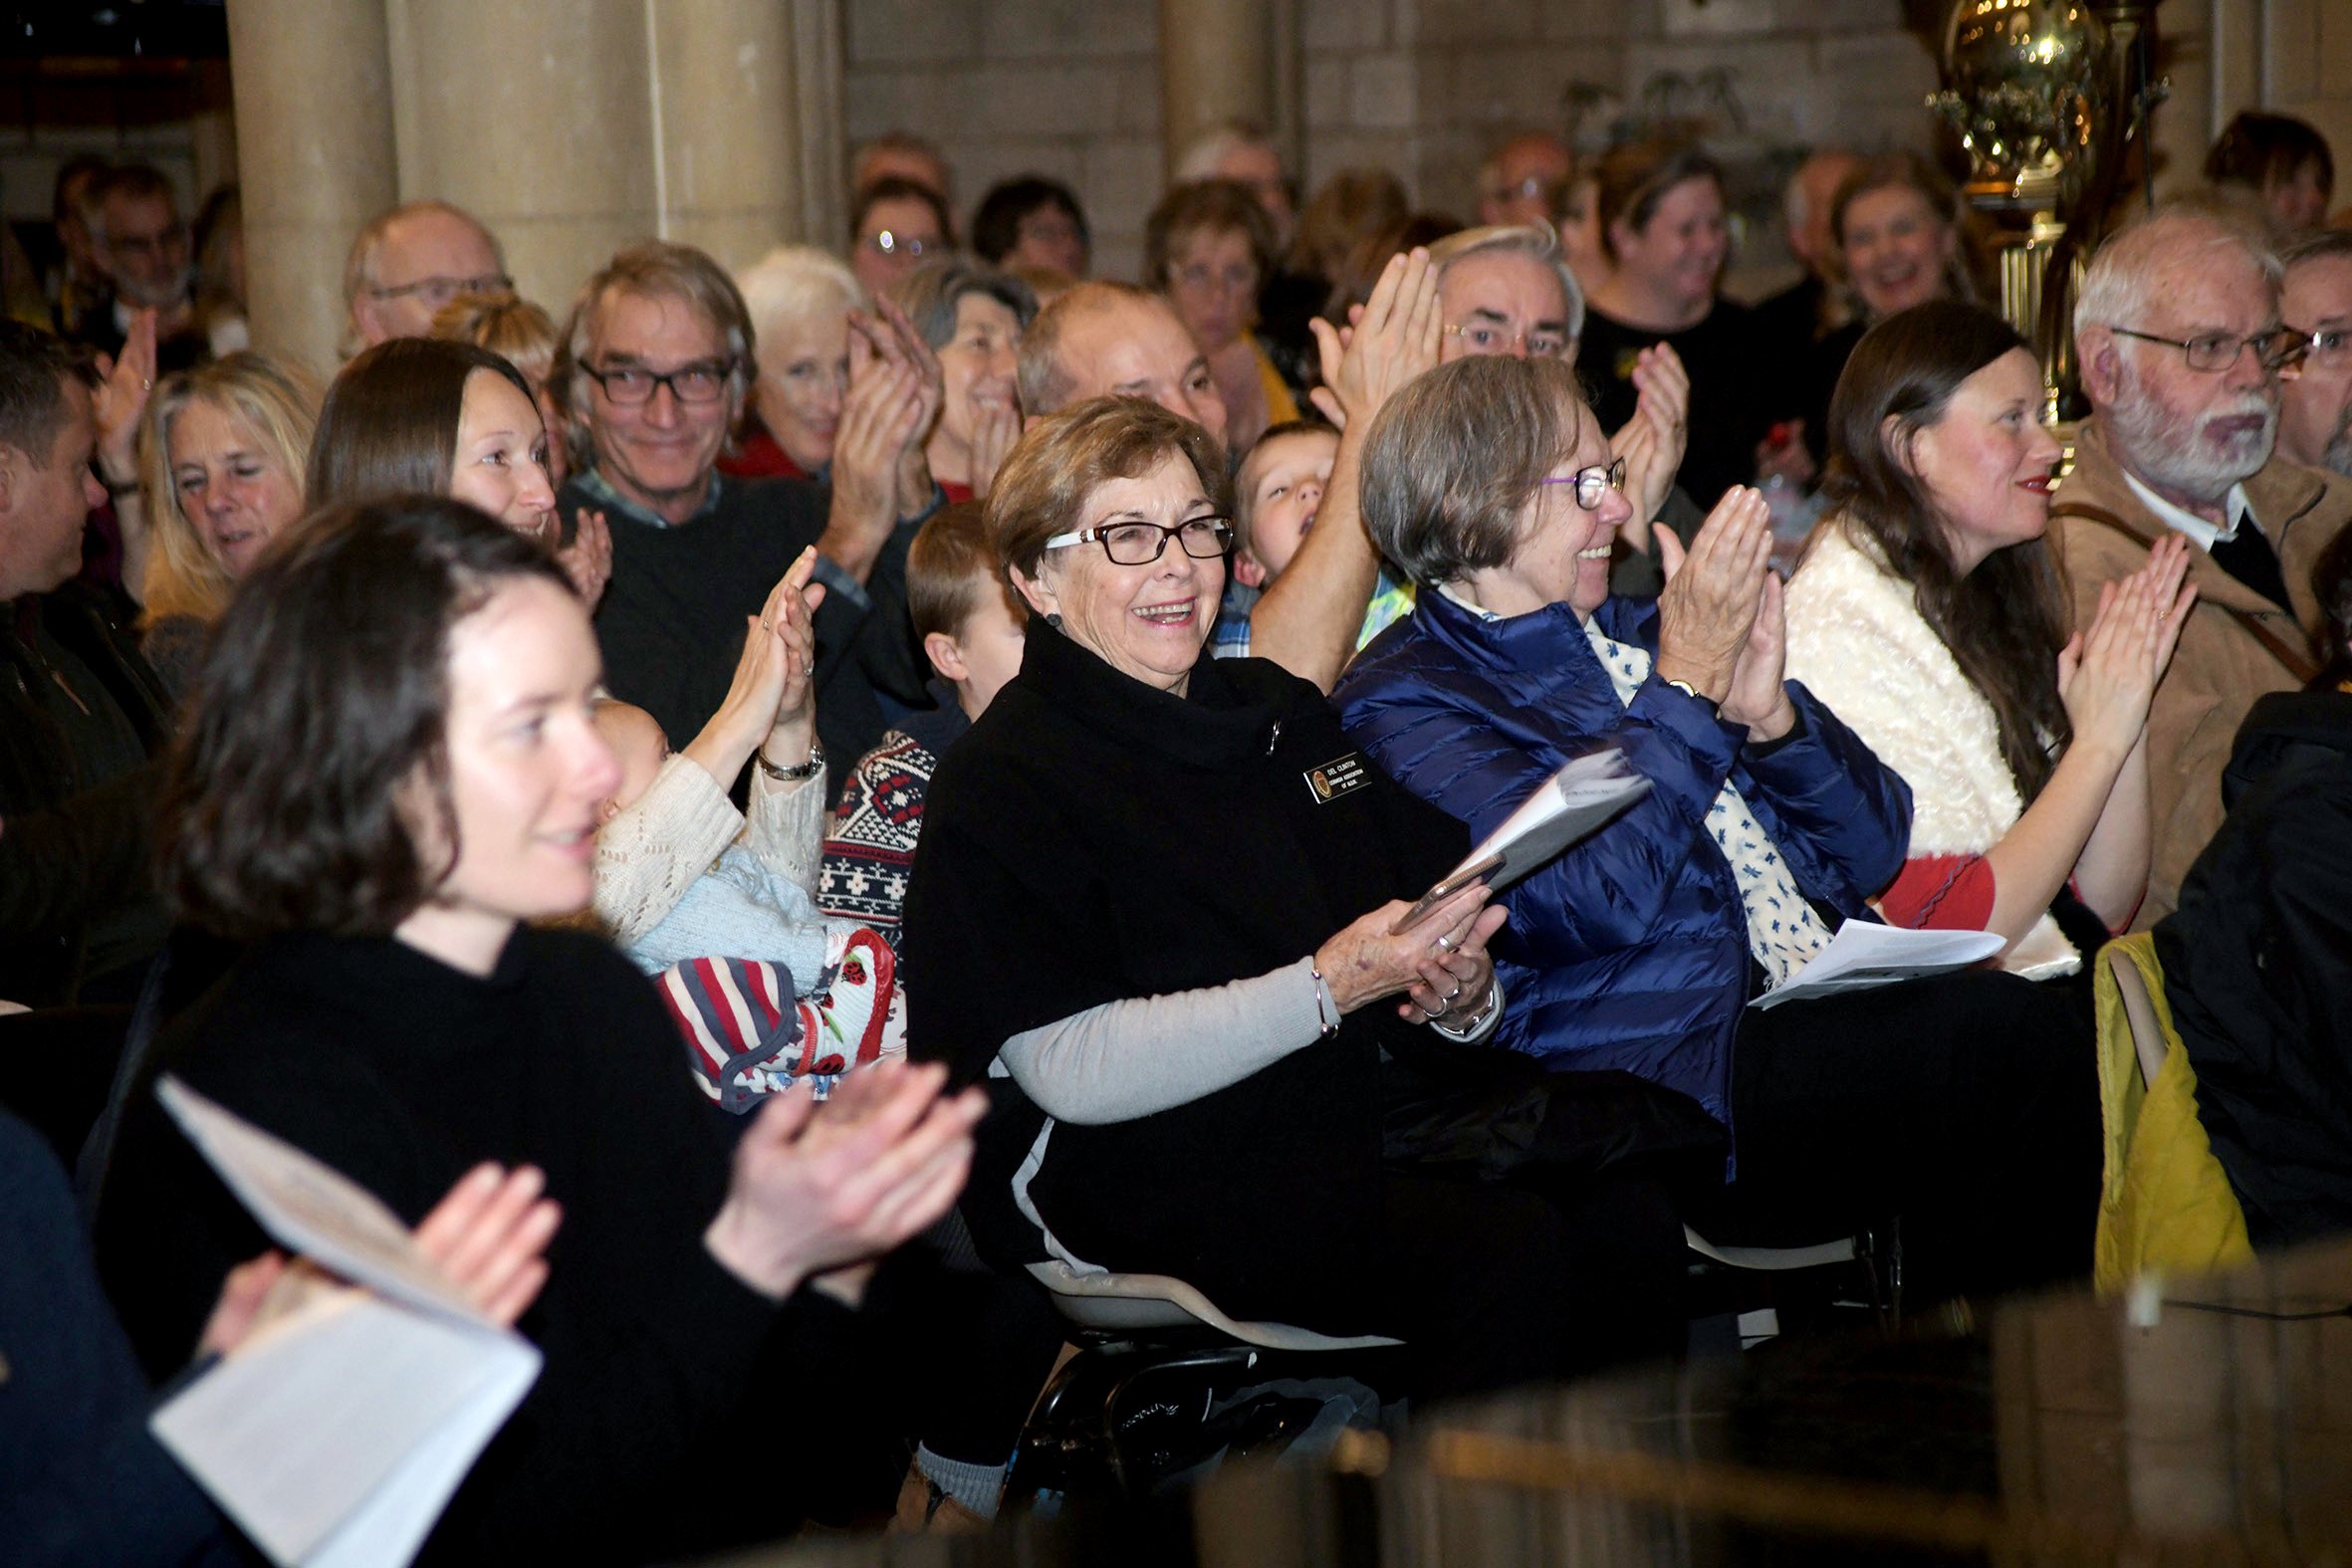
(759, 456)
(1943, 892)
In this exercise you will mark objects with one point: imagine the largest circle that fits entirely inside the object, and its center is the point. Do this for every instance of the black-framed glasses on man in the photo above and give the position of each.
(1141, 543)
(2211, 352)
(704, 381)
(437, 292)
(1593, 482)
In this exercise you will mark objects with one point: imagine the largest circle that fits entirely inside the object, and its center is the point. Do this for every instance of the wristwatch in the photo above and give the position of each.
(795, 774)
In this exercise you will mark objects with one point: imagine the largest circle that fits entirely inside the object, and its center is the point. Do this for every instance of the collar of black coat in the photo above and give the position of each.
(1224, 715)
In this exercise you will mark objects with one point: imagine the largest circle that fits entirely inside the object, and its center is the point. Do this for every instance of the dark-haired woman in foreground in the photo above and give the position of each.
(1927, 615)
(390, 774)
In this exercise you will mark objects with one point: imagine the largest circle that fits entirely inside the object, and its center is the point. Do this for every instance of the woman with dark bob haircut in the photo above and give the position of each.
(1964, 1101)
(388, 780)
(431, 416)
(1156, 907)
(1927, 614)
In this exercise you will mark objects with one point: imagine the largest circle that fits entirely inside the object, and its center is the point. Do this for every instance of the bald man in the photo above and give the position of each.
(408, 263)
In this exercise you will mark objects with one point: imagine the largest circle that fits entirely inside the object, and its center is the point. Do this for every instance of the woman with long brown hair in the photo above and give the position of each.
(1928, 614)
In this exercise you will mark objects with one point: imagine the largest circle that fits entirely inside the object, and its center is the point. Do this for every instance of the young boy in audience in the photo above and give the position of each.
(971, 625)
(1277, 497)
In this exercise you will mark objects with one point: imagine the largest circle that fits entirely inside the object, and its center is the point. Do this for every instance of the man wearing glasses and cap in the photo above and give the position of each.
(2183, 353)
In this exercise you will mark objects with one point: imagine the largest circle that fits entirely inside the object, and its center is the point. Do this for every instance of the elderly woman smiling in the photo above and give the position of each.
(1963, 1100)
(1123, 912)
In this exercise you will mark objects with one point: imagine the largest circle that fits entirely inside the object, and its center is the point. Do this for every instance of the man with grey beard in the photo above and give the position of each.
(2183, 350)
(2315, 416)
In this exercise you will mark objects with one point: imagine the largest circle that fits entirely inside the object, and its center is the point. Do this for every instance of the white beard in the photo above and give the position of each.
(2185, 461)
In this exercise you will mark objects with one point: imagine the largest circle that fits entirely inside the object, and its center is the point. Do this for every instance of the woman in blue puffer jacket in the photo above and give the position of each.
(1963, 1102)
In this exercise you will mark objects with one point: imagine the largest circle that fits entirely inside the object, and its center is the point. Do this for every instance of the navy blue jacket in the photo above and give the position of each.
(1630, 951)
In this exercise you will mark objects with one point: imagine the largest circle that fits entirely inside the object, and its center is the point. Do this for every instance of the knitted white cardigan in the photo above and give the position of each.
(1857, 641)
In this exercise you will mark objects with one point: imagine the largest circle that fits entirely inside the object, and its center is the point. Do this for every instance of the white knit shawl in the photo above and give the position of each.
(1857, 641)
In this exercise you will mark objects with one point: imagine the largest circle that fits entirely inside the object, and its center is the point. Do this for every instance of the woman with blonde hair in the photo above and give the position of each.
(221, 454)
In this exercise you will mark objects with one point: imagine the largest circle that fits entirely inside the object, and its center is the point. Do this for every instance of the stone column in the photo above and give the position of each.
(314, 156)
(727, 173)
(536, 117)
(1216, 64)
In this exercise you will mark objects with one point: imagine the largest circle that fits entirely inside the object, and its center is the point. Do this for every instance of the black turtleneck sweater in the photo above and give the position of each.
(402, 1073)
(1094, 838)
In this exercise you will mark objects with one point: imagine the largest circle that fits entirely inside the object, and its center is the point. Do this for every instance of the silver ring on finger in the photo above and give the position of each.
(1444, 944)
(1444, 1005)
(1451, 995)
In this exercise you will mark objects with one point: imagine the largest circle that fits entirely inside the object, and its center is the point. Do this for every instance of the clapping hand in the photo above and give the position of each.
(817, 1187)
(1390, 340)
(587, 559)
(771, 701)
(996, 429)
(2107, 675)
(1713, 593)
(125, 383)
(489, 1236)
(1653, 440)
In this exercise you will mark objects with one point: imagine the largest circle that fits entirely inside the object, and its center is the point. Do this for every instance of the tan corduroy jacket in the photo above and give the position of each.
(2222, 666)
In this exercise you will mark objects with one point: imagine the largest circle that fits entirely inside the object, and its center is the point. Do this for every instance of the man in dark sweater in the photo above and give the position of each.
(654, 369)
(80, 711)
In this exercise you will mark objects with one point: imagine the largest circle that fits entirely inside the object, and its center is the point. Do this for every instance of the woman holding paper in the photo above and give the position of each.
(1157, 905)
(389, 774)
(1766, 823)
(1928, 613)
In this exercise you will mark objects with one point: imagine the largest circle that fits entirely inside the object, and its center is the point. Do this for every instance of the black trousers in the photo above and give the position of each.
(1966, 1103)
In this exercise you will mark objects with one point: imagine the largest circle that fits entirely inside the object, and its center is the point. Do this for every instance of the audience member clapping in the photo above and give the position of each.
(973, 319)
(1767, 823)
(141, 242)
(380, 816)
(1192, 1070)
(1661, 215)
(1929, 616)
(2179, 335)
(655, 370)
(1508, 291)
(799, 299)
(430, 416)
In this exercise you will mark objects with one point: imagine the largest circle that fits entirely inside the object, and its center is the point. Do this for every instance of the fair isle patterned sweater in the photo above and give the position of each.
(1857, 641)
(870, 849)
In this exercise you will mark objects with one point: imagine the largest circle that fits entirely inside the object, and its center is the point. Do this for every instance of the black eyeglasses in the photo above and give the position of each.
(1593, 482)
(704, 381)
(1141, 543)
(2211, 352)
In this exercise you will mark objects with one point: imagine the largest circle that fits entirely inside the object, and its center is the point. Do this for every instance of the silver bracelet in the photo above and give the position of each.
(806, 769)
(1326, 1007)
(1475, 1022)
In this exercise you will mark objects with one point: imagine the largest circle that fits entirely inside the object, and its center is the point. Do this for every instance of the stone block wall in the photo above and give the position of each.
(1070, 88)
(1067, 89)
